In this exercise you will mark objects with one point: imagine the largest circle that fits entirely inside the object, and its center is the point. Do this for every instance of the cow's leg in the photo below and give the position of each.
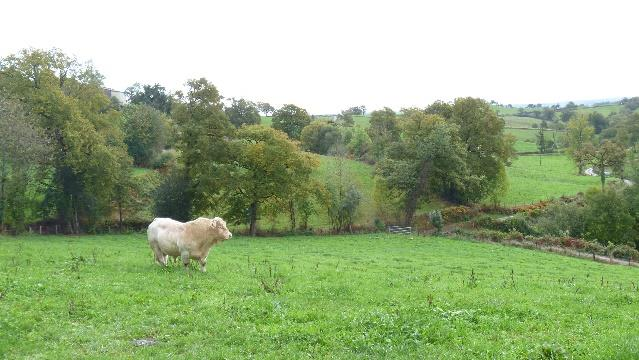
(203, 264)
(185, 259)
(159, 256)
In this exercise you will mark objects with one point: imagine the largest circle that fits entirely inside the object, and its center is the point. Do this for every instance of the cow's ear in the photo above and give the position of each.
(215, 222)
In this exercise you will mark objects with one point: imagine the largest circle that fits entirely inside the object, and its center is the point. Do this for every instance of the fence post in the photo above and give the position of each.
(40, 229)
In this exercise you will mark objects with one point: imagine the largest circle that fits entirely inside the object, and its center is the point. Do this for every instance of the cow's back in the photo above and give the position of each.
(166, 234)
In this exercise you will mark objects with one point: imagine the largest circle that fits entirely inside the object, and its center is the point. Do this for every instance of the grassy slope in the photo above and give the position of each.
(371, 296)
(556, 176)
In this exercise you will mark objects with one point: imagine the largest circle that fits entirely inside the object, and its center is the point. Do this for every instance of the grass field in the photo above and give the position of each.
(368, 296)
(527, 138)
(557, 175)
(520, 121)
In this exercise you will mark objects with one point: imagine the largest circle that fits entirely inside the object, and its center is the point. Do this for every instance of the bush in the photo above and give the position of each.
(455, 214)
(624, 252)
(561, 220)
(164, 160)
(607, 218)
(505, 225)
(436, 219)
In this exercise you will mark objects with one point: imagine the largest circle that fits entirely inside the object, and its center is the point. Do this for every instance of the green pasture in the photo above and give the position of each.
(520, 121)
(556, 176)
(346, 297)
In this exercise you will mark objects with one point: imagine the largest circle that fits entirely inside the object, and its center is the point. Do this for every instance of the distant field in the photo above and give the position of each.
(504, 111)
(520, 122)
(335, 297)
(527, 138)
(267, 120)
(557, 176)
(605, 110)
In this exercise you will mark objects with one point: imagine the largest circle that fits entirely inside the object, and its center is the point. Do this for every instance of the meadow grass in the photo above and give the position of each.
(556, 176)
(355, 297)
(520, 121)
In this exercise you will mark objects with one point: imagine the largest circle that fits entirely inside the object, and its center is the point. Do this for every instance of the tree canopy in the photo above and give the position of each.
(291, 119)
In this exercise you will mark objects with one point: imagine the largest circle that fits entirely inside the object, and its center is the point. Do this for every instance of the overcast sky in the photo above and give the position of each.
(329, 55)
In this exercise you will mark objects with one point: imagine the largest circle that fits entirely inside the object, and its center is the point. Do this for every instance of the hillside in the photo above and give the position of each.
(356, 297)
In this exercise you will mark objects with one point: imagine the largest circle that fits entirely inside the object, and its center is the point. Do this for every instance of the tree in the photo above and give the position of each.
(243, 112)
(487, 148)
(203, 141)
(77, 116)
(342, 197)
(266, 165)
(154, 96)
(24, 151)
(598, 121)
(320, 136)
(578, 134)
(265, 108)
(360, 144)
(145, 132)
(356, 110)
(428, 158)
(608, 154)
(608, 218)
(291, 120)
(173, 197)
(345, 118)
(383, 131)
(440, 108)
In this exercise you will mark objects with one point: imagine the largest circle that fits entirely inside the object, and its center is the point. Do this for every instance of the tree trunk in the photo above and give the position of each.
(291, 212)
(253, 219)
(120, 215)
(603, 178)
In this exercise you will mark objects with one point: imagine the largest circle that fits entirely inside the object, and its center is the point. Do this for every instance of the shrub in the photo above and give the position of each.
(164, 160)
(607, 217)
(562, 219)
(624, 252)
(458, 213)
(436, 219)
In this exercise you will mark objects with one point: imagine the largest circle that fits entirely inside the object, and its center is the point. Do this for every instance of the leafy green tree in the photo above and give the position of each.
(598, 121)
(342, 196)
(487, 148)
(320, 136)
(608, 218)
(76, 114)
(440, 108)
(243, 112)
(345, 118)
(542, 142)
(383, 131)
(265, 108)
(578, 134)
(360, 144)
(203, 141)
(172, 197)
(428, 158)
(291, 119)
(24, 152)
(266, 165)
(145, 132)
(154, 96)
(608, 154)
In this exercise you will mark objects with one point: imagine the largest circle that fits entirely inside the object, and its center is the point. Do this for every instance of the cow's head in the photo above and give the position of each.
(219, 228)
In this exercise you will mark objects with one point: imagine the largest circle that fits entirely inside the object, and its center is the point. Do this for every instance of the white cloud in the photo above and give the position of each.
(328, 55)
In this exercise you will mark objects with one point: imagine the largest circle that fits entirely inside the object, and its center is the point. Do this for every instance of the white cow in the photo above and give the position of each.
(190, 240)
